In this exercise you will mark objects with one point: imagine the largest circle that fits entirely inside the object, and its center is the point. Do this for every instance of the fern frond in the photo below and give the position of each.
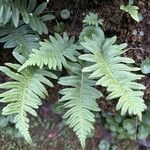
(35, 17)
(114, 72)
(22, 39)
(5, 12)
(23, 94)
(28, 11)
(132, 10)
(92, 19)
(53, 53)
(80, 101)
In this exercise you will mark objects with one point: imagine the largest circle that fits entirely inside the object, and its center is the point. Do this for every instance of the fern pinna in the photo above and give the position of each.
(113, 71)
(79, 99)
(23, 94)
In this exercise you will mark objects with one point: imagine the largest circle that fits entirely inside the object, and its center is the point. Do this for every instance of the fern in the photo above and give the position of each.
(5, 12)
(132, 10)
(92, 19)
(22, 39)
(28, 11)
(80, 101)
(24, 94)
(53, 53)
(114, 72)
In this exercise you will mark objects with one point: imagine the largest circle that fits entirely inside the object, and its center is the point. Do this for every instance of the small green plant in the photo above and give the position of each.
(123, 127)
(65, 14)
(59, 27)
(92, 19)
(132, 10)
(4, 121)
(120, 127)
(145, 66)
(104, 145)
(7, 126)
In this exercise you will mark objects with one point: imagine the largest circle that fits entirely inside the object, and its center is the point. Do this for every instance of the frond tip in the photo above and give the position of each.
(114, 72)
(92, 19)
(80, 102)
(24, 94)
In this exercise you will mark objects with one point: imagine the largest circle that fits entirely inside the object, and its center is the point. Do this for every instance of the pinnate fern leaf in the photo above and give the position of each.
(114, 72)
(132, 10)
(54, 53)
(32, 15)
(80, 101)
(23, 94)
(21, 39)
(92, 19)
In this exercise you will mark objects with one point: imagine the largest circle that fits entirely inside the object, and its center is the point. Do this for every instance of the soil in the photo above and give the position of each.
(49, 131)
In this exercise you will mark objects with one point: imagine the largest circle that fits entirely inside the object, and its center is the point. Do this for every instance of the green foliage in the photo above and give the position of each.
(114, 72)
(65, 14)
(28, 11)
(24, 94)
(5, 12)
(114, 147)
(4, 121)
(128, 128)
(22, 39)
(145, 66)
(20, 23)
(59, 27)
(6, 126)
(80, 101)
(104, 145)
(132, 10)
(92, 19)
(53, 52)
(119, 128)
(144, 127)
